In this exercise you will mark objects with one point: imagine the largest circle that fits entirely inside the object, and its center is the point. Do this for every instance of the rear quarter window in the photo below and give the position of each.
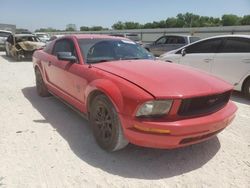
(236, 45)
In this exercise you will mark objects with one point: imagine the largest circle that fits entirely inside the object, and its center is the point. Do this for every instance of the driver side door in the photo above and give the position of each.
(64, 74)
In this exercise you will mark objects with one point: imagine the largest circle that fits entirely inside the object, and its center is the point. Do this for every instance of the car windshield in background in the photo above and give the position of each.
(103, 50)
(27, 38)
(133, 37)
(193, 39)
(42, 35)
(4, 34)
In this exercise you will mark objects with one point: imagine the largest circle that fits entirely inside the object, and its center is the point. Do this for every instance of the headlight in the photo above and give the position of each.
(154, 108)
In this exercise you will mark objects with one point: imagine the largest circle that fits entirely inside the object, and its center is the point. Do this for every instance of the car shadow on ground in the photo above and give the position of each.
(131, 162)
(240, 98)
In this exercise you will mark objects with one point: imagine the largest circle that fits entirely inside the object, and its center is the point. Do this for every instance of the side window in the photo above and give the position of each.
(64, 45)
(176, 40)
(236, 45)
(208, 46)
(10, 39)
(161, 40)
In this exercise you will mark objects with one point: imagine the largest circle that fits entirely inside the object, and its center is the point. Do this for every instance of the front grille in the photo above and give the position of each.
(203, 105)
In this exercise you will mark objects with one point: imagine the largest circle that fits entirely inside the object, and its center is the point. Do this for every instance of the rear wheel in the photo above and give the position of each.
(40, 85)
(106, 125)
(246, 88)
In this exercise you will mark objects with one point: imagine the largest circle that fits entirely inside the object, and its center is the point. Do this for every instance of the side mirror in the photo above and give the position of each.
(66, 56)
(183, 52)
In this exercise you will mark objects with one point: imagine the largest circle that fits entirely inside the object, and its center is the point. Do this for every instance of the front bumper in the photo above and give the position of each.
(182, 132)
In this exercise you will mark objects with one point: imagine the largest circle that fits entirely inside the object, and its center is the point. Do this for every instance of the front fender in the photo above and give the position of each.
(109, 89)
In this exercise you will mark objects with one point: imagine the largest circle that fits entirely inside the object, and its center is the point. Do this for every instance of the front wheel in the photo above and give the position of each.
(18, 56)
(106, 125)
(246, 89)
(40, 85)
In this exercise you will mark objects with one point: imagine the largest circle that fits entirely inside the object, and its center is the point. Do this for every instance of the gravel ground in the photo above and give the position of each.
(43, 143)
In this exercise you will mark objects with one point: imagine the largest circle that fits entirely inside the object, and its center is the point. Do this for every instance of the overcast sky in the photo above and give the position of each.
(58, 13)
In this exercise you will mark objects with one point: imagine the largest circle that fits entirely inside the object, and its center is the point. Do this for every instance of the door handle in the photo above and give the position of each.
(207, 60)
(49, 64)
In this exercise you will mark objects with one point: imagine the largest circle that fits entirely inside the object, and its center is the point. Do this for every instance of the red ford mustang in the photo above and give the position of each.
(128, 96)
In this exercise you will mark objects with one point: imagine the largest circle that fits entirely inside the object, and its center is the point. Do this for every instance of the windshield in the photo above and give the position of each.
(4, 34)
(133, 37)
(102, 50)
(42, 35)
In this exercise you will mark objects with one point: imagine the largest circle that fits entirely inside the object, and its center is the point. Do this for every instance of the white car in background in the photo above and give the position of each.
(3, 36)
(227, 57)
(44, 37)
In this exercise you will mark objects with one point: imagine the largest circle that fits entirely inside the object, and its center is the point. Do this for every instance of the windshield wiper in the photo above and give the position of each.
(131, 58)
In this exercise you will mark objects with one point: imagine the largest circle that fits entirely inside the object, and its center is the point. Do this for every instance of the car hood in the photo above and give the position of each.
(29, 45)
(165, 80)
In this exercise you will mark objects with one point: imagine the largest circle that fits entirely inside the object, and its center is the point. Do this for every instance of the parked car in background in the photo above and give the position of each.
(3, 36)
(227, 57)
(22, 46)
(53, 37)
(169, 42)
(44, 37)
(132, 36)
(128, 96)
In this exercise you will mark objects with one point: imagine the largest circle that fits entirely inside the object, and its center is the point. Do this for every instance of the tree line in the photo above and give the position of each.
(180, 21)
(187, 20)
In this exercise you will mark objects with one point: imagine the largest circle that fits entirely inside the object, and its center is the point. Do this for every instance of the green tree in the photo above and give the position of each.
(118, 26)
(70, 27)
(96, 28)
(245, 20)
(230, 19)
(132, 25)
(84, 28)
(171, 22)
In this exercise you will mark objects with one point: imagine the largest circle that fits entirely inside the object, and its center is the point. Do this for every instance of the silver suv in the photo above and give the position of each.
(169, 42)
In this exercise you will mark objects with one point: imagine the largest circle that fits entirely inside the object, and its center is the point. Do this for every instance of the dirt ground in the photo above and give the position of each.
(43, 143)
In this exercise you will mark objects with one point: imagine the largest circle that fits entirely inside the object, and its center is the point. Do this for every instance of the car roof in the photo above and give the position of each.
(41, 33)
(214, 37)
(220, 36)
(5, 31)
(93, 36)
(173, 35)
(24, 35)
(223, 36)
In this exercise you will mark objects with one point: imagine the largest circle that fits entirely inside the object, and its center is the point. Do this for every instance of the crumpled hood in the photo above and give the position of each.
(166, 80)
(30, 45)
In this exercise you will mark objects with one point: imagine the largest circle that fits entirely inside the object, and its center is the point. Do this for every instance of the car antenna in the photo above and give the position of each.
(90, 66)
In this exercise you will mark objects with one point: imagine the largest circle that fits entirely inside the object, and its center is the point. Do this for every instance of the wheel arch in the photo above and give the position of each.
(107, 88)
(244, 82)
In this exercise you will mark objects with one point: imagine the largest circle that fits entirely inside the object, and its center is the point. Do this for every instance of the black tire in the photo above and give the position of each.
(6, 53)
(246, 88)
(40, 85)
(106, 125)
(18, 57)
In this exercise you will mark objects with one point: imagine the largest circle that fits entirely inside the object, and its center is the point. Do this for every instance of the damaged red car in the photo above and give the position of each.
(128, 96)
